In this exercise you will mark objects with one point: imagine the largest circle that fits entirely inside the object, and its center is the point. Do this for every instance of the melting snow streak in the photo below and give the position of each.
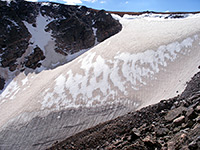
(101, 80)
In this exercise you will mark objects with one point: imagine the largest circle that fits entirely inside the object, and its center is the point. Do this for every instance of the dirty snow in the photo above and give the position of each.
(145, 57)
(39, 36)
(134, 69)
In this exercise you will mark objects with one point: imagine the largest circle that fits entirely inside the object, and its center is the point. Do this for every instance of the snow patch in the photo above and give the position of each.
(39, 36)
(152, 16)
(24, 81)
(45, 4)
(11, 90)
(95, 34)
(102, 79)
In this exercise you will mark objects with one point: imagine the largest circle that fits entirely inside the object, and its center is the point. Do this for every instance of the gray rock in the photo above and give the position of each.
(198, 119)
(198, 108)
(191, 114)
(136, 132)
(162, 132)
(178, 121)
(32, 61)
(172, 114)
(2, 83)
(193, 145)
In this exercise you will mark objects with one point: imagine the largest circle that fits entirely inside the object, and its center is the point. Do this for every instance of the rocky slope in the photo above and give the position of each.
(26, 29)
(168, 125)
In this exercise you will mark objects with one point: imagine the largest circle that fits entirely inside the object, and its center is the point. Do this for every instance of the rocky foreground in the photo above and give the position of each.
(171, 124)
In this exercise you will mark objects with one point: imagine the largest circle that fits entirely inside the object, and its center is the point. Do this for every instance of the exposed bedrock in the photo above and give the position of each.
(33, 60)
(106, 26)
(14, 37)
(73, 28)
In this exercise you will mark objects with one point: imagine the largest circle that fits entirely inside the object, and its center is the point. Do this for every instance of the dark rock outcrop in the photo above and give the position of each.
(2, 83)
(14, 37)
(72, 35)
(175, 126)
(33, 59)
(72, 28)
(106, 26)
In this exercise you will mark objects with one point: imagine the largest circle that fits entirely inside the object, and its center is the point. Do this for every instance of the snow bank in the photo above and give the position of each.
(144, 63)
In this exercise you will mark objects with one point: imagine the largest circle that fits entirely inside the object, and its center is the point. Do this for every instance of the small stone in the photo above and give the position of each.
(198, 119)
(147, 139)
(184, 125)
(136, 131)
(185, 148)
(151, 143)
(176, 129)
(183, 136)
(13, 67)
(193, 145)
(161, 131)
(178, 121)
(198, 109)
(167, 138)
(172, 114)
(191, 114)
(136, 145)
(190, 123)
(170, 145)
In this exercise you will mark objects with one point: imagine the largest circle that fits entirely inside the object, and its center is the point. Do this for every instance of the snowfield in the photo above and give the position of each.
(149, 60)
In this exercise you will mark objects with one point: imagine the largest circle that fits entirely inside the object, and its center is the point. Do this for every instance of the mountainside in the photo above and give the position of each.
(129, 62)
(38, 36)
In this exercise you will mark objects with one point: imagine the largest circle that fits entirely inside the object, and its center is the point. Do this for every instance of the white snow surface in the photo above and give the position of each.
(144, 63)
(39, 36)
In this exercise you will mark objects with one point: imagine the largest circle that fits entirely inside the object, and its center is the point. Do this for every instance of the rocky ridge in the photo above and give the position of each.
(72, 28)
(171, 124)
